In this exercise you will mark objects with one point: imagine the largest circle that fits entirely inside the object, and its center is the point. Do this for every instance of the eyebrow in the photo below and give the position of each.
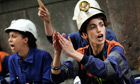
(101, 22)
(95, 24)
(91, 25)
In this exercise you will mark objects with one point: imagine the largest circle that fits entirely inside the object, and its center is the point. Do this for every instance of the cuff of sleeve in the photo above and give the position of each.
(49, 38)
(55, 77)
(84, 60)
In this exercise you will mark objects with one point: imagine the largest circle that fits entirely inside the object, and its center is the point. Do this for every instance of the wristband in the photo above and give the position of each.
(55, 68)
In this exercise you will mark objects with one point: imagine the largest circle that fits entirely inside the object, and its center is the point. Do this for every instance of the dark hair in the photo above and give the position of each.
(83, 28)
(31, 38)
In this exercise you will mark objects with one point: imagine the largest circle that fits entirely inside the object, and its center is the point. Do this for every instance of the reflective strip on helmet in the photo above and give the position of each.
(75, 66)
(109, 68)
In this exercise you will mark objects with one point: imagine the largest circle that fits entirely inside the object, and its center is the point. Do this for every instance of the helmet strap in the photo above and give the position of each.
(97, 9)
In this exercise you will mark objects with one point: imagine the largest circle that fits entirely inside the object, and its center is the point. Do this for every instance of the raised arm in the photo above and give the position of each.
(64, 70)
(56, 61)
(44, 14)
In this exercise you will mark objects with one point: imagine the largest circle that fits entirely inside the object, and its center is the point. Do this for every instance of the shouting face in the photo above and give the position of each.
(96, 31)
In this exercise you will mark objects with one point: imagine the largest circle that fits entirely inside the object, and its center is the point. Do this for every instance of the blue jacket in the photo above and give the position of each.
(5, 70)
(36, 68)
(112, 70)
(4, 66)
(79, 42)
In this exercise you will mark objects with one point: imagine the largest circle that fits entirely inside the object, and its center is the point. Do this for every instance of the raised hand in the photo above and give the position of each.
(66, 45)
(44, 13)
(56, 43)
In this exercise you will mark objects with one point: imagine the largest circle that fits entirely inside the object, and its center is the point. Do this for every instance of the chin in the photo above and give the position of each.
(13, 51)
(101, 42)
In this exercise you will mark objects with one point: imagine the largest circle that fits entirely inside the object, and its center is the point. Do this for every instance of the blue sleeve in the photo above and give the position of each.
(72, 35)
(76, 39)
(122, 67)
(79, 42)
(65, 74)
(49, 38)
(5, 69)
(100, 68)
(46, 69)
(94, 66)
(2, 80)
(110, 35)
(11, 70)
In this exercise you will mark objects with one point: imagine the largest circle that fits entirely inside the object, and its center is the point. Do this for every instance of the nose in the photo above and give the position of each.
(10, 40)
(98, 29)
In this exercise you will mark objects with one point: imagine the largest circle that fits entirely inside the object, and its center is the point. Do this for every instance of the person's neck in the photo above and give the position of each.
(24, 52)
(96, 49)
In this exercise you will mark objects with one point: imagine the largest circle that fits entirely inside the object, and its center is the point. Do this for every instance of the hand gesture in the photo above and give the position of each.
(56, 44)
(44, 13)
(66, 45)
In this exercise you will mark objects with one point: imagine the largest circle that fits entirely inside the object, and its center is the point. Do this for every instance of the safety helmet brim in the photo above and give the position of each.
(23, 25)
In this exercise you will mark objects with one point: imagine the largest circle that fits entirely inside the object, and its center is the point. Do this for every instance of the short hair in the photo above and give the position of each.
(31, 39)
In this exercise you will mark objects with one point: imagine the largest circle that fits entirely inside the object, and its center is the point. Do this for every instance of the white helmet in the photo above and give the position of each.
(85, 9)
(23, 25)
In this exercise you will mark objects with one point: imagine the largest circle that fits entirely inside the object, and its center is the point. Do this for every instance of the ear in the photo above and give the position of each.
(25, 40)
(85, 36)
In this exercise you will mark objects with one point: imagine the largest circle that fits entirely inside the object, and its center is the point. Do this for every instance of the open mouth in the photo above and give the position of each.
(100, 36)
(12, 46)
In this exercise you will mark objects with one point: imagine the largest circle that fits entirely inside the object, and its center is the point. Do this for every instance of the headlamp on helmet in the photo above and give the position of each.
(84, 10)
(84, 6)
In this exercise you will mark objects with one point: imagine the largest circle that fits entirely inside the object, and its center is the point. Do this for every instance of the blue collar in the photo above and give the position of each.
(29, 58)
